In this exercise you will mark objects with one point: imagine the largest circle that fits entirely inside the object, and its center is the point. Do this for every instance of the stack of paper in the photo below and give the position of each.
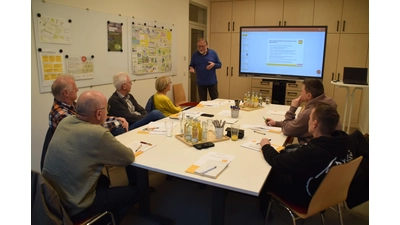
(155, 128)
(211, 165)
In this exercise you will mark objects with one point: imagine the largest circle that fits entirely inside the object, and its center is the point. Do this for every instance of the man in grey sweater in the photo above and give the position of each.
(76, 156)
(312, 92)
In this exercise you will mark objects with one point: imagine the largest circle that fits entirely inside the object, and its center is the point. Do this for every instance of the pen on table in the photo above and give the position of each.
(258, 132)
(259, 142)
(209, 169)
(143, 142)
(138, 148)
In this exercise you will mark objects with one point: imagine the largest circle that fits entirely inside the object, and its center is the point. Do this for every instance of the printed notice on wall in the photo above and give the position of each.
(52, 65)
(54, 30)
(114, 37)
(81, 67)
(151, 49)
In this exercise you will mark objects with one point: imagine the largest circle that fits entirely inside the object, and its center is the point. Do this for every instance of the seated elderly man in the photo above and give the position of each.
(76, 156)
(123, 104)
(65, 91)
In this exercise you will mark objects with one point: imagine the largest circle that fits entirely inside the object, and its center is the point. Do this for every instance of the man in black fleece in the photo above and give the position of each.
(297, 175)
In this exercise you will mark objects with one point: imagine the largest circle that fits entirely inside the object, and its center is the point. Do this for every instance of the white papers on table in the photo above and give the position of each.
(138, 147)
(260, 127)
(210, 103)
(255, 145)
(211, 165)
(157, 127)
(275, 112)
(228, 120)
(222, 157)
(193, 114)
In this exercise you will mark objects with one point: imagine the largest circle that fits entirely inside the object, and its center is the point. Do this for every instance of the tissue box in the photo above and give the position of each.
(228, 132)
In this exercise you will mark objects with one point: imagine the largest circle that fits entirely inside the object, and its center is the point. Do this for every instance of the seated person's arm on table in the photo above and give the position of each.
(288, 163)
(112, 152)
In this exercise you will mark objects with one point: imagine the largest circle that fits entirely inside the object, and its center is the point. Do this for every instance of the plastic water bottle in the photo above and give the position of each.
(188, 129)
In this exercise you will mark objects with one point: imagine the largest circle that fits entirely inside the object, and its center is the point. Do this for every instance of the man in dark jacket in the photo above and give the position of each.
(297, 175)
(123, 104)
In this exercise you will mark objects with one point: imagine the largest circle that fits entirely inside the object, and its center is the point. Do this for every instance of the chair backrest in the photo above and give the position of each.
(47, 139)
(334, 187)
(179, 94)
(150, 104)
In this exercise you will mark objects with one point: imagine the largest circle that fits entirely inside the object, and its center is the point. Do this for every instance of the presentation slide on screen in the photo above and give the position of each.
(286, 53)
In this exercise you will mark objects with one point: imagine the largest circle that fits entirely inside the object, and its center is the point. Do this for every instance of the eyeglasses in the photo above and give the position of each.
(201, 46)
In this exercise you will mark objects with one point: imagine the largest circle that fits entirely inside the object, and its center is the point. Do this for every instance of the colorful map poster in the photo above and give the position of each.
(81, 67)
(54, 30)
(151, 49)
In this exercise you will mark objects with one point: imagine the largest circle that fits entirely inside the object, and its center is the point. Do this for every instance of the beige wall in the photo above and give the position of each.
(170, 12)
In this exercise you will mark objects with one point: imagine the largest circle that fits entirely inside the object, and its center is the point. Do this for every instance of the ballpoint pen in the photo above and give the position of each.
(146, 143)
(208, 170)
(258, 132)
(138, 148)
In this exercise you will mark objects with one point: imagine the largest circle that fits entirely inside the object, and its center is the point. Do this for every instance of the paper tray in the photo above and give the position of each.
(210, 138)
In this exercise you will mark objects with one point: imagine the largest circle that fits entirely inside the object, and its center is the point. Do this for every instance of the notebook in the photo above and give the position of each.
(352, 75)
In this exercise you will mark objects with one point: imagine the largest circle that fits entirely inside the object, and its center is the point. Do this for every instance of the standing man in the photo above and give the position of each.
(204, 63)
(77, 153)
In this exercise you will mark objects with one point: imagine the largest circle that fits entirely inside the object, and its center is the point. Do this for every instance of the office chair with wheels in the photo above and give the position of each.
(180, 96)
(46, 206)
(47, 139)
(332, 191)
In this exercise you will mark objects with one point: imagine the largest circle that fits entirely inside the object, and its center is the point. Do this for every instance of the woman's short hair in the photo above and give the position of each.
(119, 79)
(162, 83)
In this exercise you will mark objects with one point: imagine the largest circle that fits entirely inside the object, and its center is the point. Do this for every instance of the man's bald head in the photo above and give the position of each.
(92, 105)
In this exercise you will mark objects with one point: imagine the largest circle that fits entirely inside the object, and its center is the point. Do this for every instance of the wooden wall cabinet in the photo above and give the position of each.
(342, 16)
(227, 18)
(284, 12)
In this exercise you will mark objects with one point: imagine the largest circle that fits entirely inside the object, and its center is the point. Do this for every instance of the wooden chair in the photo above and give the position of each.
(180, 96)
(332, 191)
(46, 206)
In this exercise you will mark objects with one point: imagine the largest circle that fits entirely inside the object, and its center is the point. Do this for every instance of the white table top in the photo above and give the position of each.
(246, 173)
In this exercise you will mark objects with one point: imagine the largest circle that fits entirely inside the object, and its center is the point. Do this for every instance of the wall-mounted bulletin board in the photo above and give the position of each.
(93, 46)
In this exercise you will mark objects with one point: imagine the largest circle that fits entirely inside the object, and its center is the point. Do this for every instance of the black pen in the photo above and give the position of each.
(145, 143)
(258, 132)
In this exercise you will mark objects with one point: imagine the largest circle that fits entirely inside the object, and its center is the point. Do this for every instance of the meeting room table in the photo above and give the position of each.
(246, 173)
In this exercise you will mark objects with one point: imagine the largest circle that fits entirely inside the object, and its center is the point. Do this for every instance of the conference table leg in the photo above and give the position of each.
(218, 206)
(144, 201)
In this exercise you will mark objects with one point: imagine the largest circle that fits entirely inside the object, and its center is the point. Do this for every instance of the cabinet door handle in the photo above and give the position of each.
(292, 85)
(279, 23)
(229, 26)
(266, 91)
(227, 68)
(292, 93)
(264, 82)
(233, 26)
(284, 23)
(337, 26)
(344, 24)
(232, 71)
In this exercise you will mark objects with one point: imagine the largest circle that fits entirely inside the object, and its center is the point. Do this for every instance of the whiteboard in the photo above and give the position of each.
(87, 38)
